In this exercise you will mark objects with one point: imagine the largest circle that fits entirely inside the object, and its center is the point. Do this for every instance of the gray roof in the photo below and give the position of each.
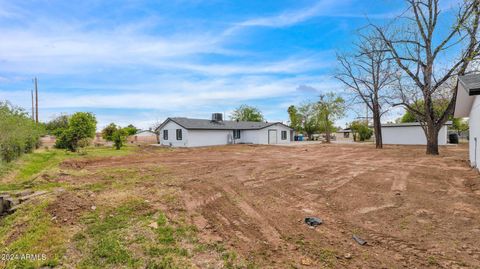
(408, 124)
(202, 124)
(471, 83)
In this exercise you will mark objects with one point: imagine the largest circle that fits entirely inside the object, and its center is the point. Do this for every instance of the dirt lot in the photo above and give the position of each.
(247, 206)
(413, 210)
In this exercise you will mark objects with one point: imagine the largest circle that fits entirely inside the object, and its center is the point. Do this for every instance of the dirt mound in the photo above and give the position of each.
(76, 164)
(68, 207)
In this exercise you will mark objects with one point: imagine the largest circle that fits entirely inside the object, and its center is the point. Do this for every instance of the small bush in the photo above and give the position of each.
(81, 129)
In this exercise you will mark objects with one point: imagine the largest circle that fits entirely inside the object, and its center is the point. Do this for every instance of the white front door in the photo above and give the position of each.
(272, 136)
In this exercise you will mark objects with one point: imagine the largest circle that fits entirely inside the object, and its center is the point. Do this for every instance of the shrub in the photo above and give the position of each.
(361, 130)
(119, 137)
(81, 129)
(107, 132)
(19, 133)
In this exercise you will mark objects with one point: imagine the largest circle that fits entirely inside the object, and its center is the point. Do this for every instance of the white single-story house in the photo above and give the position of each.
(186, 132)
(144, 137)
(468, 105)
(410, 133)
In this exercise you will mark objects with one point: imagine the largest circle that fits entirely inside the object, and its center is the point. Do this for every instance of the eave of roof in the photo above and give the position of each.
(467, 87)
(408, 124)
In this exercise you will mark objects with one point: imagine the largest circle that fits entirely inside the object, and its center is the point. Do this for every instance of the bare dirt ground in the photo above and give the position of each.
(415, 211)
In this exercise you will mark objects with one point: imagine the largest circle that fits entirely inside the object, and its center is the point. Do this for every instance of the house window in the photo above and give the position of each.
(165, 134)
(284, 135)
(236, 134)
(179, 134)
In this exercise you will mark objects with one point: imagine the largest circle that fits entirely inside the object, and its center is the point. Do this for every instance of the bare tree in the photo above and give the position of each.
(418, 50)
(368, 73)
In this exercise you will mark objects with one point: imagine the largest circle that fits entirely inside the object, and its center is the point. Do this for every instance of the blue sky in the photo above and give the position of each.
(142, 61)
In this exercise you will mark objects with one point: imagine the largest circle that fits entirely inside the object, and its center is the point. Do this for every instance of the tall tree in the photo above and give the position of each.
(295, 118)
(416, 44)
(309, 118)
(247, 113)
(368, 73)
(331, 107)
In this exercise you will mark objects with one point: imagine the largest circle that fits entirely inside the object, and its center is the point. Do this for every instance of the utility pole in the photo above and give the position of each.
(36, 100)
(33, 107)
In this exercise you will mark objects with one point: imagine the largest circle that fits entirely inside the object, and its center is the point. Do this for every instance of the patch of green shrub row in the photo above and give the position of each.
(18, 133)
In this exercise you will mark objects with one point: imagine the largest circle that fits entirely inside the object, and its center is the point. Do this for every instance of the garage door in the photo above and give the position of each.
(272, 136)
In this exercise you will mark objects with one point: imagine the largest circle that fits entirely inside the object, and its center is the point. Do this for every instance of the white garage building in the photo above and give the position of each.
(410, 134)
(186, 132)
(468, 105)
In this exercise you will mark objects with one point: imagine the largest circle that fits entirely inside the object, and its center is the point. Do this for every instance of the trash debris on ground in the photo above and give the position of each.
(359, 240)
(312, 221)
(347, 256)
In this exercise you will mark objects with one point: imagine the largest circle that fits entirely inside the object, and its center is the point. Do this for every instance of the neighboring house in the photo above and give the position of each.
(410, 133)
(185, 132)
(344, 135)
(468, 105)
(144, 137)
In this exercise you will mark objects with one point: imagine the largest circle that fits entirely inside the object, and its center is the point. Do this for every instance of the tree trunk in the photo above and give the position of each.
(327, 128)
(377, 126)
(432, 139)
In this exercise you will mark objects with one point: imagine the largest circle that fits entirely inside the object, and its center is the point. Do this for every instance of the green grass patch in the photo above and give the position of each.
(31, 231)
(113, 237)
(103, 243)
(27, 169)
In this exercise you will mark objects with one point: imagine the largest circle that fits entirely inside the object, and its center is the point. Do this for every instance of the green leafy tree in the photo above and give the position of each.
(330, 107)
(247, 113)
(460, 125)
(57, 125)
(131, 130)
(295, 118)
(81, 126)
(119, 137)
(309, 118)
(108, 131)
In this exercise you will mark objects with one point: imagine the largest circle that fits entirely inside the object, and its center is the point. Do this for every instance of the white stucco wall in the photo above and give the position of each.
(172, 135)
(410, 135)
(278, 128)
(474, 122)
(200, 138)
